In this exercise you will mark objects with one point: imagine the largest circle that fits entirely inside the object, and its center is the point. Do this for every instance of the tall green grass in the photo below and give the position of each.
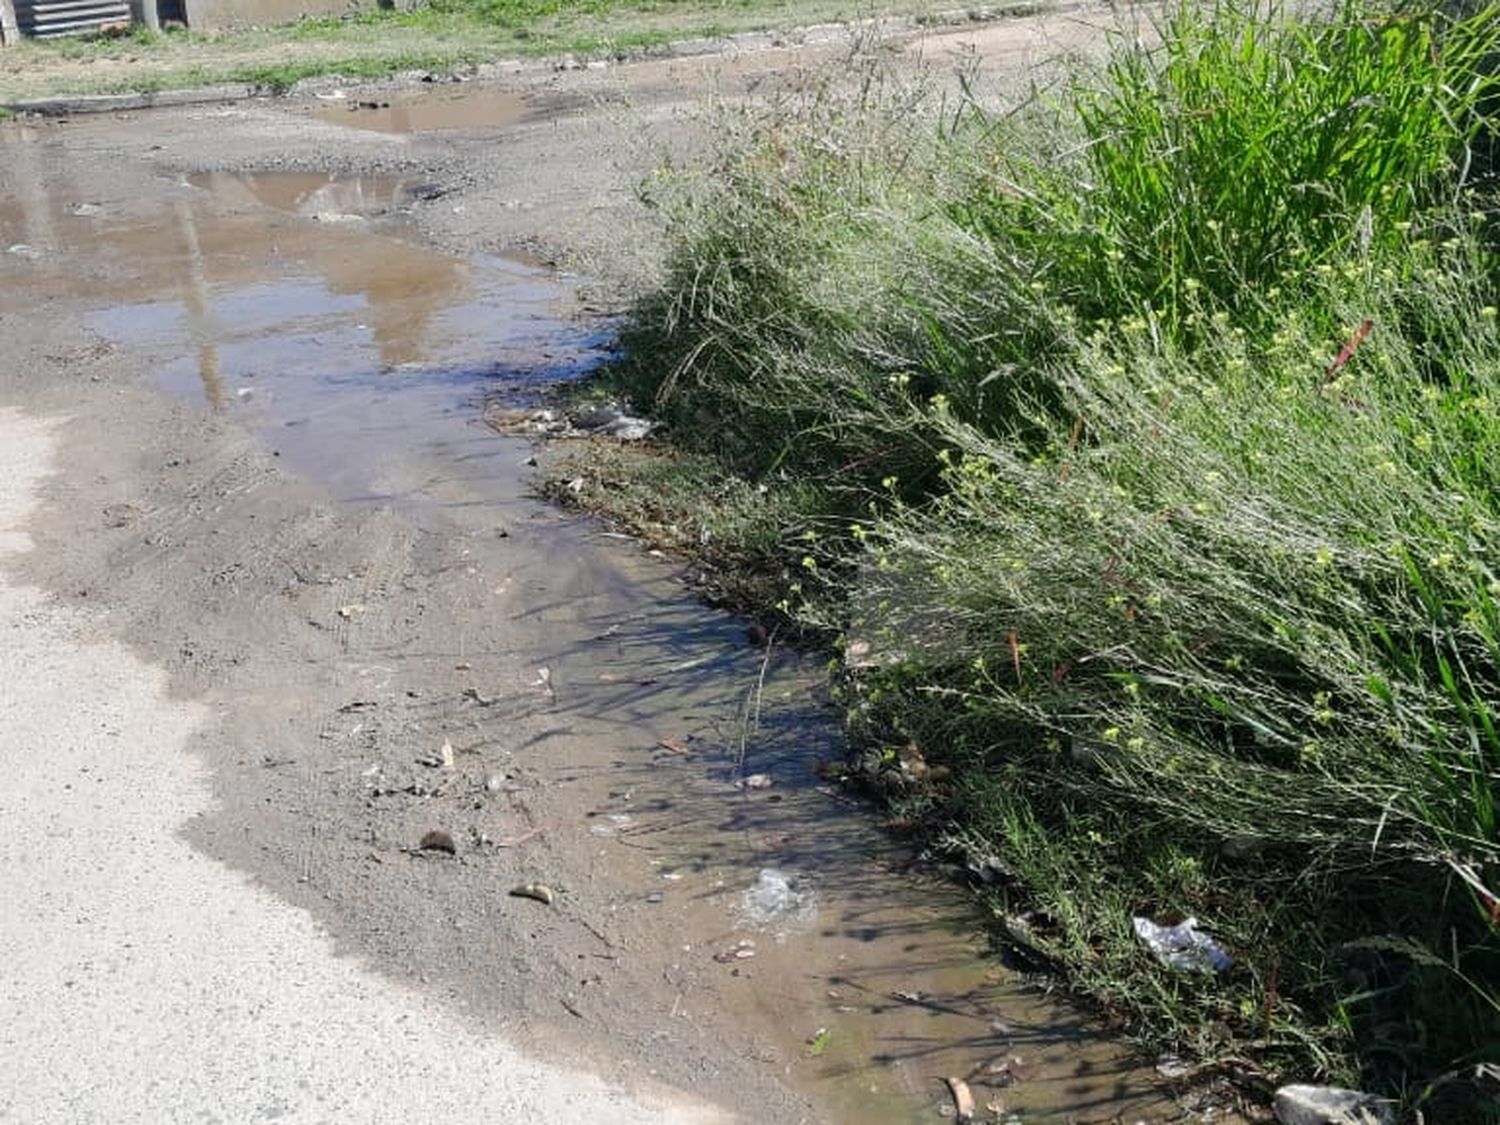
(1143, 439)
(1244, 149)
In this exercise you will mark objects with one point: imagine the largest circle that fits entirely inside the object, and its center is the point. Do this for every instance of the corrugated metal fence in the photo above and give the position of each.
(43, 18)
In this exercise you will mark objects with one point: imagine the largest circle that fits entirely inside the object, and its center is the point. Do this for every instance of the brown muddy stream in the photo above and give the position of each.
(305, 307)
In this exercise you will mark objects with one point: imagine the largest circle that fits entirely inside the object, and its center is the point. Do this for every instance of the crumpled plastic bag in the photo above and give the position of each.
(1183, 947)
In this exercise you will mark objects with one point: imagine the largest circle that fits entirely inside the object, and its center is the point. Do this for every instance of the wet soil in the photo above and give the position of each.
(274, 342)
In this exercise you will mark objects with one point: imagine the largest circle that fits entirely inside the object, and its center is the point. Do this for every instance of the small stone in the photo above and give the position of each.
(439, 841)
(538, 891)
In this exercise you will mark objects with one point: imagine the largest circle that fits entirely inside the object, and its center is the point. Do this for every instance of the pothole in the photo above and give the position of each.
(433, 110)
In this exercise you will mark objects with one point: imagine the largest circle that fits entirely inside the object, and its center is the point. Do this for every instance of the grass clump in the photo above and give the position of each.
(1143, 443)
(1243, 150)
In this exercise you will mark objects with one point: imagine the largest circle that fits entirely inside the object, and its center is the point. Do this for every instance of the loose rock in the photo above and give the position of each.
(439, 841)
(538, 891)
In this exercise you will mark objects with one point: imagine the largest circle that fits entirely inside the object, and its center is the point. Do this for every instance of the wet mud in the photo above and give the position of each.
(578, 718)
(436, 109)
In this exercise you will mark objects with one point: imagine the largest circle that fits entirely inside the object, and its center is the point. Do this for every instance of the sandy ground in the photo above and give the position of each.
(268, 631)
(146, 982)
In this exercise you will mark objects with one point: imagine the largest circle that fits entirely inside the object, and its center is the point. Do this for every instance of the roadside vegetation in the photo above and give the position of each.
(441, 36)
(1136, 443)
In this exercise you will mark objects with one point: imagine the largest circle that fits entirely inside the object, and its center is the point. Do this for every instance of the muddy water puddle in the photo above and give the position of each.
(435, 109)
(295, 301)
(303, 306)
(863, 978)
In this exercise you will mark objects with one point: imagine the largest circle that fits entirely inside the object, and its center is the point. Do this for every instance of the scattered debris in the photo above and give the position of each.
(990, 870)
(1019, 929)
(513, 421)
(1005, 1070)
(538, 891)
(963, 1099)
(1175, 1069)
(757, 781)
(610, 420)
(483, 700)
(1183, 947)
(774, 900)
(1327, 1105)
(818, 1042)
(438, 841)
(673, 746)
(442, 759)
(604, 420)
(742, 950)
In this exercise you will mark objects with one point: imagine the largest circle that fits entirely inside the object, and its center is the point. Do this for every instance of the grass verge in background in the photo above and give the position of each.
(443, 36)
(1141, 445)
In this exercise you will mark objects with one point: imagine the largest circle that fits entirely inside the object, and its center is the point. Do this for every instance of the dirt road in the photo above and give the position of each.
(280, 609)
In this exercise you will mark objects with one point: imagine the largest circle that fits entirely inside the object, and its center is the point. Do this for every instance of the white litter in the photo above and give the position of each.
(776, 900)
(1183, 947)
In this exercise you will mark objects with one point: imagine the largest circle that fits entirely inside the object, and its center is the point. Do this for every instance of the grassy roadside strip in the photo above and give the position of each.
(443, 36)
(1137, 445)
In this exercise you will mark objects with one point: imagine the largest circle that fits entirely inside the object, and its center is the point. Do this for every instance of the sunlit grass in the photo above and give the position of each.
(1144, 438)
